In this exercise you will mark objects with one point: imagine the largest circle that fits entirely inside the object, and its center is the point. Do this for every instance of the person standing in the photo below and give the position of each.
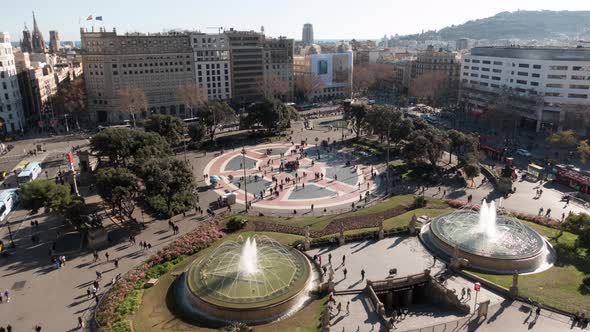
(116, 262)
(330, 258)
(7, 295)
(106, 255)
(80, 322)
(343, 260)
(363, 274)
(345, 271)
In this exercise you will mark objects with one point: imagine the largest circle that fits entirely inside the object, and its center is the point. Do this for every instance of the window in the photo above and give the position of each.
(577, 96)
(536, 66)
(485, 76)
(467, 60)
(485, 69)
(523, 65)
(495, 78)
(522, 73)
(497, 70)
(475, 61)
(557, 67)
(535, 83)
(554, 85)
(494, 85)
(581, 68)
(579, 86)
(556, 77)
(580, 77)
(487, 62)
(552, 94)
(521, 82)
(483, 83)
(473, 75)
(465, 67)
(535, 75)
(498, 63)
(474, 68)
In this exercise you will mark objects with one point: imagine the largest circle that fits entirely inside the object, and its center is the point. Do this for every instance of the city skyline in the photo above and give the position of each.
(285, 19)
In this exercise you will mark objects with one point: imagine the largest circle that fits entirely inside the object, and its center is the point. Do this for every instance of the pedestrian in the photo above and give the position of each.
(96, 257)
(330, 258)
(37, 328)
(548, 213)
(88, 292)
(339, 307)
(325, 269)
(347, 307)
(468, 293)
(345, 271)
(444, 193)
(7, 295)
(363, 274)
(116, 262)
(343, 260)
(80, 322)
(433, 260)
(312, 208)
(463, 292)
(106, 254)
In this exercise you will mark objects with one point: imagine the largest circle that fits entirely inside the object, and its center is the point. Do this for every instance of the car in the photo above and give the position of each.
(523, 152)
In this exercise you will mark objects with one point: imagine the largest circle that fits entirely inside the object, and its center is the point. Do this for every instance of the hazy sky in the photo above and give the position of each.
(340, 19)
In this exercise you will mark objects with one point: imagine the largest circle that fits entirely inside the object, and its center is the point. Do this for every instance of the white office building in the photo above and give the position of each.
(538, 80)
(11, 107)
(212, 65)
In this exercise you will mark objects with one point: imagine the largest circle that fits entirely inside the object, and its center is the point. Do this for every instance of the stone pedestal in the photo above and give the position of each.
(341, 240)
(409, 297)
(97, 237)
(412, 225)
(513, 292)
(306, 244)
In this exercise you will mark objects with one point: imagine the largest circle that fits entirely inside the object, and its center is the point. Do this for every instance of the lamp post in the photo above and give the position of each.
(245, 179)
(10, 234)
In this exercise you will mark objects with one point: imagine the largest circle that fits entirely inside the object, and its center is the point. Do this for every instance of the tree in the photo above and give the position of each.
(433, 87)
(71, 98)
(307, 85)
(191, 96)
(269, 113)
(45, 193)
(383, 120)
(356, 114)
(274, 86)
(579, 223)
(119, 189)
(426, 143)
(565, 137)
(132, 101)
(197, 132)
(362, 79)
(169, 185)
(583, 150)
(216, 113)
(169, 127)
(471, 171)
(121, 144)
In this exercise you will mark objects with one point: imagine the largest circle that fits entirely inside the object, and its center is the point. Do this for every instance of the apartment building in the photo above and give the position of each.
(212, 65)
(278, 68)
(158, 64)
(540, 83)
(11, 109)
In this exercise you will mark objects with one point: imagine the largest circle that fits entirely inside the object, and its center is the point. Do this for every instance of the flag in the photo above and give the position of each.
(89, 18)
(98, 18)
(71, 160)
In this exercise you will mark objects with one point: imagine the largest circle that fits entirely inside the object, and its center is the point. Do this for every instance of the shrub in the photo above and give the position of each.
(419, 202)
(586, 280)
(236, 223)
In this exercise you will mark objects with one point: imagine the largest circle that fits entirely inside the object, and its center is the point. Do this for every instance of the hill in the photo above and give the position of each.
(520, 24)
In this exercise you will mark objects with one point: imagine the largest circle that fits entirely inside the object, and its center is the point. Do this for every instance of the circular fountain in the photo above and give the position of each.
(490, 242)
(255, 280)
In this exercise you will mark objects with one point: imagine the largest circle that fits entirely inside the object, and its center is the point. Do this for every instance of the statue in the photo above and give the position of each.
(412, 225)
(307, 241)
(514, 288)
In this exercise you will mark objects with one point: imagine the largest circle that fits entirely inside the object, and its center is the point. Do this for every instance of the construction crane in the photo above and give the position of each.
(219, 29)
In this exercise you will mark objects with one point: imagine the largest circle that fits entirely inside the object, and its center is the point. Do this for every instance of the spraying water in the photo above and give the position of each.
(487, 219)
(248, 264)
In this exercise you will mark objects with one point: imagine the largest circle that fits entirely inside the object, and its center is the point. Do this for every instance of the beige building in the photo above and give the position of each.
(278, 68)
(158, 64)
(445, 65)
(212, 65)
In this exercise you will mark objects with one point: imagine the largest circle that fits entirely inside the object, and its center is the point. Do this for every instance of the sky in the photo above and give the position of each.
(341, 19)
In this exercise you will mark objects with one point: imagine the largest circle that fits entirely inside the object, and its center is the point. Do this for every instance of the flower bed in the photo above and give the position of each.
(109, 313)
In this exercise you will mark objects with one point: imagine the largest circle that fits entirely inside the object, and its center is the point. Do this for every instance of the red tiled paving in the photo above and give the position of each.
(345, 193)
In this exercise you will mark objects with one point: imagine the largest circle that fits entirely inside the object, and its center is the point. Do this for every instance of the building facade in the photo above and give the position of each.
(443, 68)
(54, 43)
(212, 65)
(333, 69)
(307, 34)
(26, 44)
(247, 68)
(157, 64)
(539, 84)
(11, 109)
(278, 68)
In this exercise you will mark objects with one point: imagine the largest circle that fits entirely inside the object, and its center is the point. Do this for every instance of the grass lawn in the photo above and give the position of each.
(559, 286)
(404, 219)
(320, 222)
(154, 315)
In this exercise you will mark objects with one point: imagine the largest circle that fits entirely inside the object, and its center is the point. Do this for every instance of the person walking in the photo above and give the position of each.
(343, 260)
(116, 262)
(88, 292)
(345, 271)
(106, 255)
(433, 260)
(363, 274)
(348, 307)
(7, 295)
(330, 258)
(80, 322)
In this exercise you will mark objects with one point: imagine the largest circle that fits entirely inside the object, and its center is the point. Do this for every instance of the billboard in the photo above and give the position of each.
(334, 69)
(340, 68)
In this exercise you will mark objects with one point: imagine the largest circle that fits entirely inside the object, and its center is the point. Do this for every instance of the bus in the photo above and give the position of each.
(29, 173)
(20, 166)
(8, 201)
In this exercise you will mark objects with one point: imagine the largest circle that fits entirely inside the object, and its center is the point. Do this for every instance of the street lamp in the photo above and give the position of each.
(10, 234)
(245, 179)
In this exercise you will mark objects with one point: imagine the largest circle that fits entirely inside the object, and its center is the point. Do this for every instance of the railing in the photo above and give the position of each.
(399, 282)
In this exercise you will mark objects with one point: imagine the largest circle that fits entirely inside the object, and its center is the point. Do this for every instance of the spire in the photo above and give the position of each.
(35, 27)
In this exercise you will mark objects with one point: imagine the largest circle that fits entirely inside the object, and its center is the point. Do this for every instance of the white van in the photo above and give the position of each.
(9, 199)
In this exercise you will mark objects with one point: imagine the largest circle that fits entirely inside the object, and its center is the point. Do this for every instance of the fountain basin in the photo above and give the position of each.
(512, 246)
(224, 287)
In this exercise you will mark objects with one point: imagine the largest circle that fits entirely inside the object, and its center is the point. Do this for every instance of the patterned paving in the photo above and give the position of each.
(297, 189)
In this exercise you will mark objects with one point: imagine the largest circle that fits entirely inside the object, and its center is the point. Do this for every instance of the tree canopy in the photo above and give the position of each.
(270, 114)
(215, 113)
(197, 132)
(121, 144)
(426, 143)
(45, 193)
(119, 189)
(356, 115)
(168, 184)
(169, 127)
